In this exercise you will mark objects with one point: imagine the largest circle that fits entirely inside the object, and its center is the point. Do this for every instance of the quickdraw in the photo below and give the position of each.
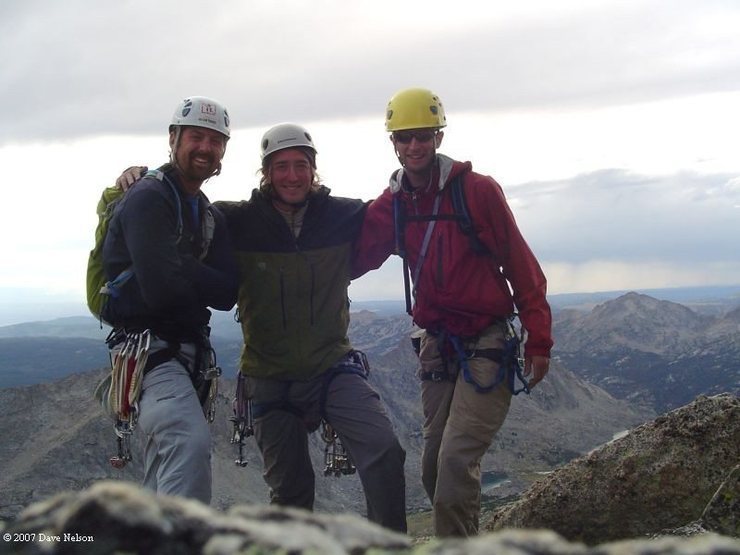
(513, 354)
(127, 372)
(336, 458)
(210, 375)
(242, 420)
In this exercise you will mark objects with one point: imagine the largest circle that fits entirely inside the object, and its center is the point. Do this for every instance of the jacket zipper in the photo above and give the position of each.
(282, 299)
(313, 282)
(440, 253)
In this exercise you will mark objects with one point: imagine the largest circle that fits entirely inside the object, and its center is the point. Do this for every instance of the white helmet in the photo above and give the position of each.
(199, 111)
(285, 135)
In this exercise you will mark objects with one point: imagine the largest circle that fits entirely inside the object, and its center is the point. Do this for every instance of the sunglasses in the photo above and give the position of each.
(405, 137)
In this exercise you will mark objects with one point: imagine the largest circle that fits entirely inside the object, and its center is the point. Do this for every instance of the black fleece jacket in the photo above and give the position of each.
(171, 287)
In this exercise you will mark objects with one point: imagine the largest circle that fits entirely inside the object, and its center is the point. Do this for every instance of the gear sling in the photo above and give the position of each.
(119, 392)
(509, 358)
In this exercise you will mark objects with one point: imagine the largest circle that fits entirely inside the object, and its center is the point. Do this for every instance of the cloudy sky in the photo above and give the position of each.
(612, 125)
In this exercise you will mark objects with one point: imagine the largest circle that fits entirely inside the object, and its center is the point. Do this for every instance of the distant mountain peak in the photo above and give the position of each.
(634, 321)
(664, 353)
(638, 306)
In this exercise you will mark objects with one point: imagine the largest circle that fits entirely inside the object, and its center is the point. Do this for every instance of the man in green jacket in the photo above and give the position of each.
(293, 244)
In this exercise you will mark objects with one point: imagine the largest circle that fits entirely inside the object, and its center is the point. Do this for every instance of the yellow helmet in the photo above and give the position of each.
(414, 109)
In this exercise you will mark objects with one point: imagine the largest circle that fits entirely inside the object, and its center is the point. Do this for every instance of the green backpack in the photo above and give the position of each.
(96, 279)
(99, 289)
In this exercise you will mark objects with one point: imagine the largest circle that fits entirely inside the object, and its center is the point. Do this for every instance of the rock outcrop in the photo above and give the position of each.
(722, 515)
(117, 517)
(681, 468)
(661, 475)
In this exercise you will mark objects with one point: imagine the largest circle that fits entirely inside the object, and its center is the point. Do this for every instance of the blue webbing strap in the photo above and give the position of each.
(509, 370)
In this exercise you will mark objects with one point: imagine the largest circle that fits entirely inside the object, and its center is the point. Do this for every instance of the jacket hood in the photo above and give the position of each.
(448, 169)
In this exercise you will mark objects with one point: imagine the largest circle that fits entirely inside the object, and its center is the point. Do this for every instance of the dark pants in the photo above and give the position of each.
(353, 408)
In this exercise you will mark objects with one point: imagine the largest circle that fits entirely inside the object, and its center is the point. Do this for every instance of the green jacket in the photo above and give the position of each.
(293, 302)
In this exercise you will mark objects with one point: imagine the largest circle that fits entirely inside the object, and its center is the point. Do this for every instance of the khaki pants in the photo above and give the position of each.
(354, 410)
(459, 426)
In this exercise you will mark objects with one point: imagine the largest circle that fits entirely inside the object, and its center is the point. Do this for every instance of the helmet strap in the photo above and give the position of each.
(175, 144)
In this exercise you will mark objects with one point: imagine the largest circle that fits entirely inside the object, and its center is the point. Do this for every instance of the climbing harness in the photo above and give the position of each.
(337, 459)
(509, 359)
(242, 419)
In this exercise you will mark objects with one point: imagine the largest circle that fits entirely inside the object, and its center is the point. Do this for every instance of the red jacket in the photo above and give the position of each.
(456, 290)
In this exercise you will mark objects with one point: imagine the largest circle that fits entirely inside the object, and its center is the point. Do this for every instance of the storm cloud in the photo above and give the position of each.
(83, 68)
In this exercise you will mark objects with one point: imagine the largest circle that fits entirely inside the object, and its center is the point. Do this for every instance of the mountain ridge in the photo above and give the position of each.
(596, 388)
(658, 353)
(58, 426)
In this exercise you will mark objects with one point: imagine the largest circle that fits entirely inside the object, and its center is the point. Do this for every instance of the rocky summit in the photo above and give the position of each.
(671, 486)
(116, 517)
(678, 469)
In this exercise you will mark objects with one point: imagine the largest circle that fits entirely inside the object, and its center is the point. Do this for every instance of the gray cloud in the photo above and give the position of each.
(81, 67)
(614, 215)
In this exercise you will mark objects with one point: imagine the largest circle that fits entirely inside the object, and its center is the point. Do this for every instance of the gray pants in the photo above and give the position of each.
(354, 410)
(177, 455)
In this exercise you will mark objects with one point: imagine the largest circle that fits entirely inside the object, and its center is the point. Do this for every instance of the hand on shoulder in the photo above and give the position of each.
(130, 176)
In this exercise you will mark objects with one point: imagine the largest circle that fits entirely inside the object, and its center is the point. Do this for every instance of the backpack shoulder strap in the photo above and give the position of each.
(159, 175)
(460, 206)
(399, 224)
(208, 226)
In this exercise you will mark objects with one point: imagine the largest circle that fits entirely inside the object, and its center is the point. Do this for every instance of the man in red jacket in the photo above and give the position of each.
(466, 287)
